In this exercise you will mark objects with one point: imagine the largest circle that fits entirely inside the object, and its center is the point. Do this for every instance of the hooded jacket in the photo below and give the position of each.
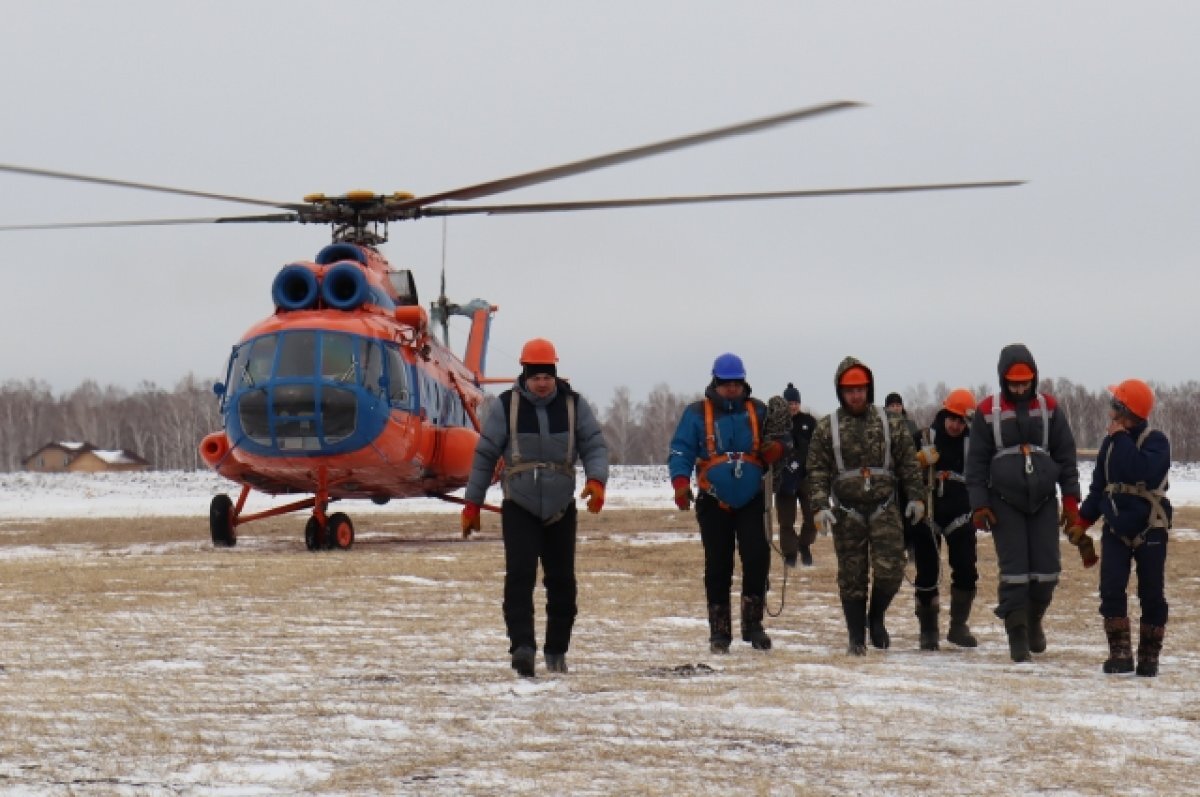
(1003, 472)
(542, 437)
(862, 441)
(733, 483)
(950, 500)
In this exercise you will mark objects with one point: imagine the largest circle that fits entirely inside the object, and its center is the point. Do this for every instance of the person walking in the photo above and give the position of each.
(540, 428)
(1022, 452)
(1129, 491)
(791, 485)
(858, 457)
(721, 438)
(943, 456)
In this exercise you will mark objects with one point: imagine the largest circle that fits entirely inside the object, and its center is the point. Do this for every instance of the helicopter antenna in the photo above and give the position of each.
(442, 298)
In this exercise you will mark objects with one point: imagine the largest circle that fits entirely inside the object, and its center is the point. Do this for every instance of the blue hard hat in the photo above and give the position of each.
(729, 366)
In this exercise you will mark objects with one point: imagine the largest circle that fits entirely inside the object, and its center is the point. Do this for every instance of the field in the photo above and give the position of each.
(135, 659)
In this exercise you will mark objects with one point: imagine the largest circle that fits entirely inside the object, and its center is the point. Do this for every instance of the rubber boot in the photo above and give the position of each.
(1017, 626)
(927, 618)
(1037, 636)
(875, 616)
(1149, 646)
(720, 627)
(752, 626)
(855, 610)
(523, 660)
(960, 610)
(1120, 645)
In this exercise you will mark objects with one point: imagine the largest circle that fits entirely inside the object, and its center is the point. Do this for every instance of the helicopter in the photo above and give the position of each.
(346, 391)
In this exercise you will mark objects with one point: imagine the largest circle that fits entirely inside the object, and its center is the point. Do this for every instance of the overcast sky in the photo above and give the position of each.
(1090, 264)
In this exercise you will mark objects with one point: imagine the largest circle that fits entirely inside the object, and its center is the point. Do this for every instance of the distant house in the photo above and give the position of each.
(82, 458)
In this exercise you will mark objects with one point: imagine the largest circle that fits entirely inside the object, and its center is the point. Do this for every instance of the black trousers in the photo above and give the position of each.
(1116, 559)
(926, 551)
(526, 542)
(723, 530)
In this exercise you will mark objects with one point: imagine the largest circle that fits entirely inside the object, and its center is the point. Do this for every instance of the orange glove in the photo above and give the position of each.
(470, 518)
(983, 518)
(927, 456)
(593, 491)
(683, 492)
(771, 451)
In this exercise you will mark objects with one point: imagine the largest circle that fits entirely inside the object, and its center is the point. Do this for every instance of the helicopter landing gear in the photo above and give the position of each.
(339, 532)
(314, 534)
(220, 522)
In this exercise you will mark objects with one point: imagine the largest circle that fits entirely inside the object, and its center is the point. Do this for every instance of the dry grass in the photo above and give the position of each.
(135, 659)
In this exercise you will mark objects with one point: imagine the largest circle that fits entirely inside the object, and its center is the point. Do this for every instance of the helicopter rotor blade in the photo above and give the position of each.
(623, 156)
(150, 222)
(603, 204)
(162, 189)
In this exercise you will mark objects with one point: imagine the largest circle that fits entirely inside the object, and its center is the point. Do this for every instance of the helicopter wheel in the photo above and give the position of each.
(340, 531)
(220, 522)
(314, 534)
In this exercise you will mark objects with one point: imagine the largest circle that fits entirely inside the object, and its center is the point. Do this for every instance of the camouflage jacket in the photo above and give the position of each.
(862, 445)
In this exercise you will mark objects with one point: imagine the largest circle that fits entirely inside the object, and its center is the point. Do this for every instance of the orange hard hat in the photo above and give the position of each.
(1135, 395)
(538, 351)
(854, 376)
(960, 402)
(1019, 372)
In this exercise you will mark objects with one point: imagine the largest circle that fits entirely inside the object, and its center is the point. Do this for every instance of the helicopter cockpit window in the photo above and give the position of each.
(398, 392)
(298, 355)
(372, 366)
(251, 364)
(339, 357)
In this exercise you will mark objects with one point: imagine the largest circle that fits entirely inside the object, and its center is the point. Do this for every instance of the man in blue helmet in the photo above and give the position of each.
(722, 439)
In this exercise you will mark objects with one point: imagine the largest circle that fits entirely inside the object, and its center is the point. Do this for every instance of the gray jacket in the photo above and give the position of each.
(542, 437)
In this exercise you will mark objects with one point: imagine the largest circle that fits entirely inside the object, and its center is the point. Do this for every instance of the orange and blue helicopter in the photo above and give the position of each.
(345, 392)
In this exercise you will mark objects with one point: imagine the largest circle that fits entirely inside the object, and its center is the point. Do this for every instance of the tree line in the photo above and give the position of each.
(165, 426)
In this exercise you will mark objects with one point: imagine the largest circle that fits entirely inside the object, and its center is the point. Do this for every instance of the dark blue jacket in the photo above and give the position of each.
(731, 425)
(1121, 461)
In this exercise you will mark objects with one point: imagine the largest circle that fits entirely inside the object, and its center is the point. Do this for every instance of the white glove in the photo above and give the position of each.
(825, 520)
(914, 512)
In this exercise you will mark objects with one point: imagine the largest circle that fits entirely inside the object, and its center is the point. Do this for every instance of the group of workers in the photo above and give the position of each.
(885, 490)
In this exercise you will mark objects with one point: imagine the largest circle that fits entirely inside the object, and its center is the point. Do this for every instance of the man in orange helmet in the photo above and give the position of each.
(540, 427)
(858, 458)
(943, 456)
(1022, 453)
(1129, 490)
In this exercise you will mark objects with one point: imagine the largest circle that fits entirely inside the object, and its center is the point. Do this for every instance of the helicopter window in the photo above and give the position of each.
(252, 363)
(298, 355)
(397, 376)
(338, 357)
(372, 366)
(431, 398)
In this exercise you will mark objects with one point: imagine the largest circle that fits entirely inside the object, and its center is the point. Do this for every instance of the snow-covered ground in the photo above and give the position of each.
(187, 493)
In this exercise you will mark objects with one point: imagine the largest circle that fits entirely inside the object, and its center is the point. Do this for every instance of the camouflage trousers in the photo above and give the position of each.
(865, 546)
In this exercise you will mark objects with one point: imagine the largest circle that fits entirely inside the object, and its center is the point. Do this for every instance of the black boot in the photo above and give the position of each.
(927, 618)
(1149, 646)
(720, 627)
(752, 627)
(523, 660)
(1037, 636)
(855, 610)
(1120, 645)
(960, 610)
(1017, 626)
(880, 600)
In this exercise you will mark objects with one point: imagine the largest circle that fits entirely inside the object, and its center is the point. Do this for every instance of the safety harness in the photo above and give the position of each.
(937, 482)
(1158, 514)
(712, 445)
(1027, 449)
(517, 465)
(865, 472)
